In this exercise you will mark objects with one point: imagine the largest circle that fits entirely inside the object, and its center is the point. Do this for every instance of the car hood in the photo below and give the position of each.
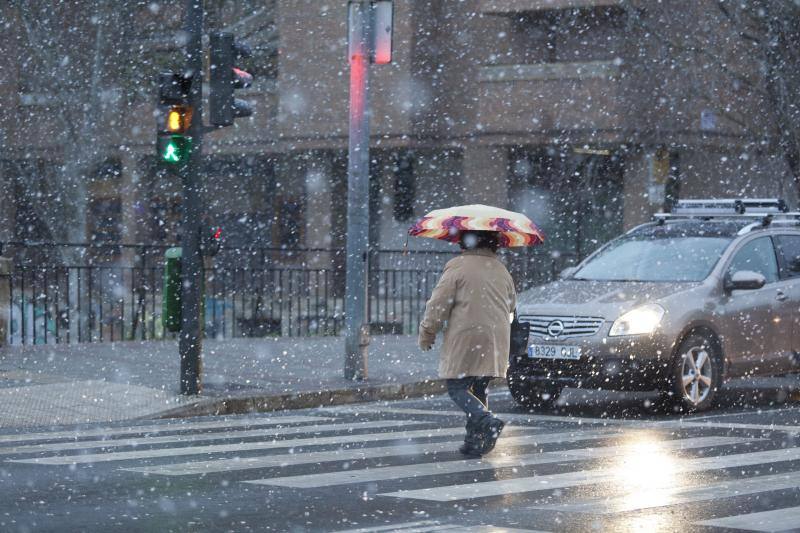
(606, 299)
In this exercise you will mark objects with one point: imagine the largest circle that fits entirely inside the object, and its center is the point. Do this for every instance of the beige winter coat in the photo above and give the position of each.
(474, 298)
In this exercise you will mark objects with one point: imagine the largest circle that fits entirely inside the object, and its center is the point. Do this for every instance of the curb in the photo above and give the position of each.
(261, 403)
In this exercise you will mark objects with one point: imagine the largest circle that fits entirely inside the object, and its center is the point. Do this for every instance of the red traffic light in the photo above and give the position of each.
(225, 77)
(383, 21)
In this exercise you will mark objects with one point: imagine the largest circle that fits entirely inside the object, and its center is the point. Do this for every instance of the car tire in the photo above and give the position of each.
(529, 394)
(696, 374)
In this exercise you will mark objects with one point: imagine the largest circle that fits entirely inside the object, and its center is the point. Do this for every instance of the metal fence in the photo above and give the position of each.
(114, 293)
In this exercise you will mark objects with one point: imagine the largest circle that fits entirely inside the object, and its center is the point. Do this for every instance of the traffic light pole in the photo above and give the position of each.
(191, 336)
(355, 366)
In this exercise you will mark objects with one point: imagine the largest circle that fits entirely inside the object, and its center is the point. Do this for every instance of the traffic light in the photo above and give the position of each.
(173, 118)
(225, 76)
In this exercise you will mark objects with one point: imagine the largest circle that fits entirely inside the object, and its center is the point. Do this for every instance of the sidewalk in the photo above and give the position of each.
(69, 384)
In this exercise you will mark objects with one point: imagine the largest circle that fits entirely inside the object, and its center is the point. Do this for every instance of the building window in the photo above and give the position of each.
(289, 222)
(575, 197)
(109, 170)
(105, 220)
(404, 188)
(568, 35)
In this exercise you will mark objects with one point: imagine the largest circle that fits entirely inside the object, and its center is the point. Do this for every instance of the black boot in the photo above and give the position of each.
(490, 428)
(473, 441)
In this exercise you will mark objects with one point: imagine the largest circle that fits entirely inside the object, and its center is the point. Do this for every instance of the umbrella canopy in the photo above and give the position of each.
(515, 229)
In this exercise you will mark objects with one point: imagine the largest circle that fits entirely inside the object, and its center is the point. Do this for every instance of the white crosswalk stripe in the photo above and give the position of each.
(405, 527)
(666, 496)
(509, 417)
(682, 423)
(159, 428)
(473, 465)
(787, 519)
(429, 526)
(183, 439)
(491, 529)
(250, 463)
(470, 491)
(242, 446)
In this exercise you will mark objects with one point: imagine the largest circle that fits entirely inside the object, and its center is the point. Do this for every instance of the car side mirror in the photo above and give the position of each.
(567, 272)
(745, 280)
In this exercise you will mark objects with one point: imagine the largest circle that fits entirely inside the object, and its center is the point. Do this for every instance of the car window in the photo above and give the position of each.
(644, 258)
(756, 256)
(789, 249)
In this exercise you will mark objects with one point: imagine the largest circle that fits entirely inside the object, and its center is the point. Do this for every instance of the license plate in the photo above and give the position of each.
(554, 351)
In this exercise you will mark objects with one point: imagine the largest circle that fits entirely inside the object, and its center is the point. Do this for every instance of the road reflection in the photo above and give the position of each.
(645, 472)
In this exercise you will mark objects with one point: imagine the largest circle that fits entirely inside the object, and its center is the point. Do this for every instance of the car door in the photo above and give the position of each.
(754, 336)
(788, 246)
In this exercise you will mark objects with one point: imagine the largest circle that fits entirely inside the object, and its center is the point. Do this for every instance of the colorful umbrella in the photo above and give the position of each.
(515, 229)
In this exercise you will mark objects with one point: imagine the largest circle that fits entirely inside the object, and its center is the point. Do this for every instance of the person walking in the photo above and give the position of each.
(472, 303)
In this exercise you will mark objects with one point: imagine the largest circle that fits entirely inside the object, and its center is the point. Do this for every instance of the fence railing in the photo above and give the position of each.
(114, 293)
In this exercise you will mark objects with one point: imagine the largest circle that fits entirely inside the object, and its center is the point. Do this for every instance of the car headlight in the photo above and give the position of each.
(639, 321)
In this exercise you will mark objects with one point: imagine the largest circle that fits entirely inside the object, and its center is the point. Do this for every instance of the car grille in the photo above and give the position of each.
(573, 326)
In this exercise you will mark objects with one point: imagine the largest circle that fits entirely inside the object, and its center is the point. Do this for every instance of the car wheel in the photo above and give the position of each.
(696, 373)
(529, 393)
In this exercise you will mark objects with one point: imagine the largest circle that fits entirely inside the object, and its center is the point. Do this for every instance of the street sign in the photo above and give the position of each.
(382, 30)
(376, 32)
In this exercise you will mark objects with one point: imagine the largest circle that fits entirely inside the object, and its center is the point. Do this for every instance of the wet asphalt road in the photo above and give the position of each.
(602, 462)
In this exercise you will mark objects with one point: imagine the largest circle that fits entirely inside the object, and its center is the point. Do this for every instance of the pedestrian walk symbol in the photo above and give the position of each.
(174, 148)
(172, 153)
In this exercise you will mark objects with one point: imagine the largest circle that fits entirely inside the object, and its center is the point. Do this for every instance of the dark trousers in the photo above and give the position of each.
(469, 394)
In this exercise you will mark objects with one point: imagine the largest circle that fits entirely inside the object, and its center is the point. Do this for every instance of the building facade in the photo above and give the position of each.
(588, 115)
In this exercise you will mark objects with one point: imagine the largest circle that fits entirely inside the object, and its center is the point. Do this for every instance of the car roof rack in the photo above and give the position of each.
(752, 206)
(765, 210)
(768, 222)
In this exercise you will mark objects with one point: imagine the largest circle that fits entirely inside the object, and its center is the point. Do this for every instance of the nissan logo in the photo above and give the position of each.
(555, 328)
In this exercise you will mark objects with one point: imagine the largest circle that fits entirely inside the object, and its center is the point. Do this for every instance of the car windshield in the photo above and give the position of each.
(655, 258)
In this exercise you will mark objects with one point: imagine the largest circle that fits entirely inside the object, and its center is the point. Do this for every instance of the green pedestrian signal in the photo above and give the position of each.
(174, 149)
(171, 154)
(174, 119)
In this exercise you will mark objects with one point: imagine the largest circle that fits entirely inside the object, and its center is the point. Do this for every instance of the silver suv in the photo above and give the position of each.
(706, 293)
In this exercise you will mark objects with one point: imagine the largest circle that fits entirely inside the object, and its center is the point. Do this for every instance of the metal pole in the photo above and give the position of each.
(191, 339)
(355, 364)
(5, 300)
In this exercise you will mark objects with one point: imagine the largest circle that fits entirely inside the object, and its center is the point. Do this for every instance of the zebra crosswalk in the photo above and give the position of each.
(471, 465)
(107, 432)
(195, 437)
(405, 459)
(677, 495)
(469, 491)
(419, 449)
